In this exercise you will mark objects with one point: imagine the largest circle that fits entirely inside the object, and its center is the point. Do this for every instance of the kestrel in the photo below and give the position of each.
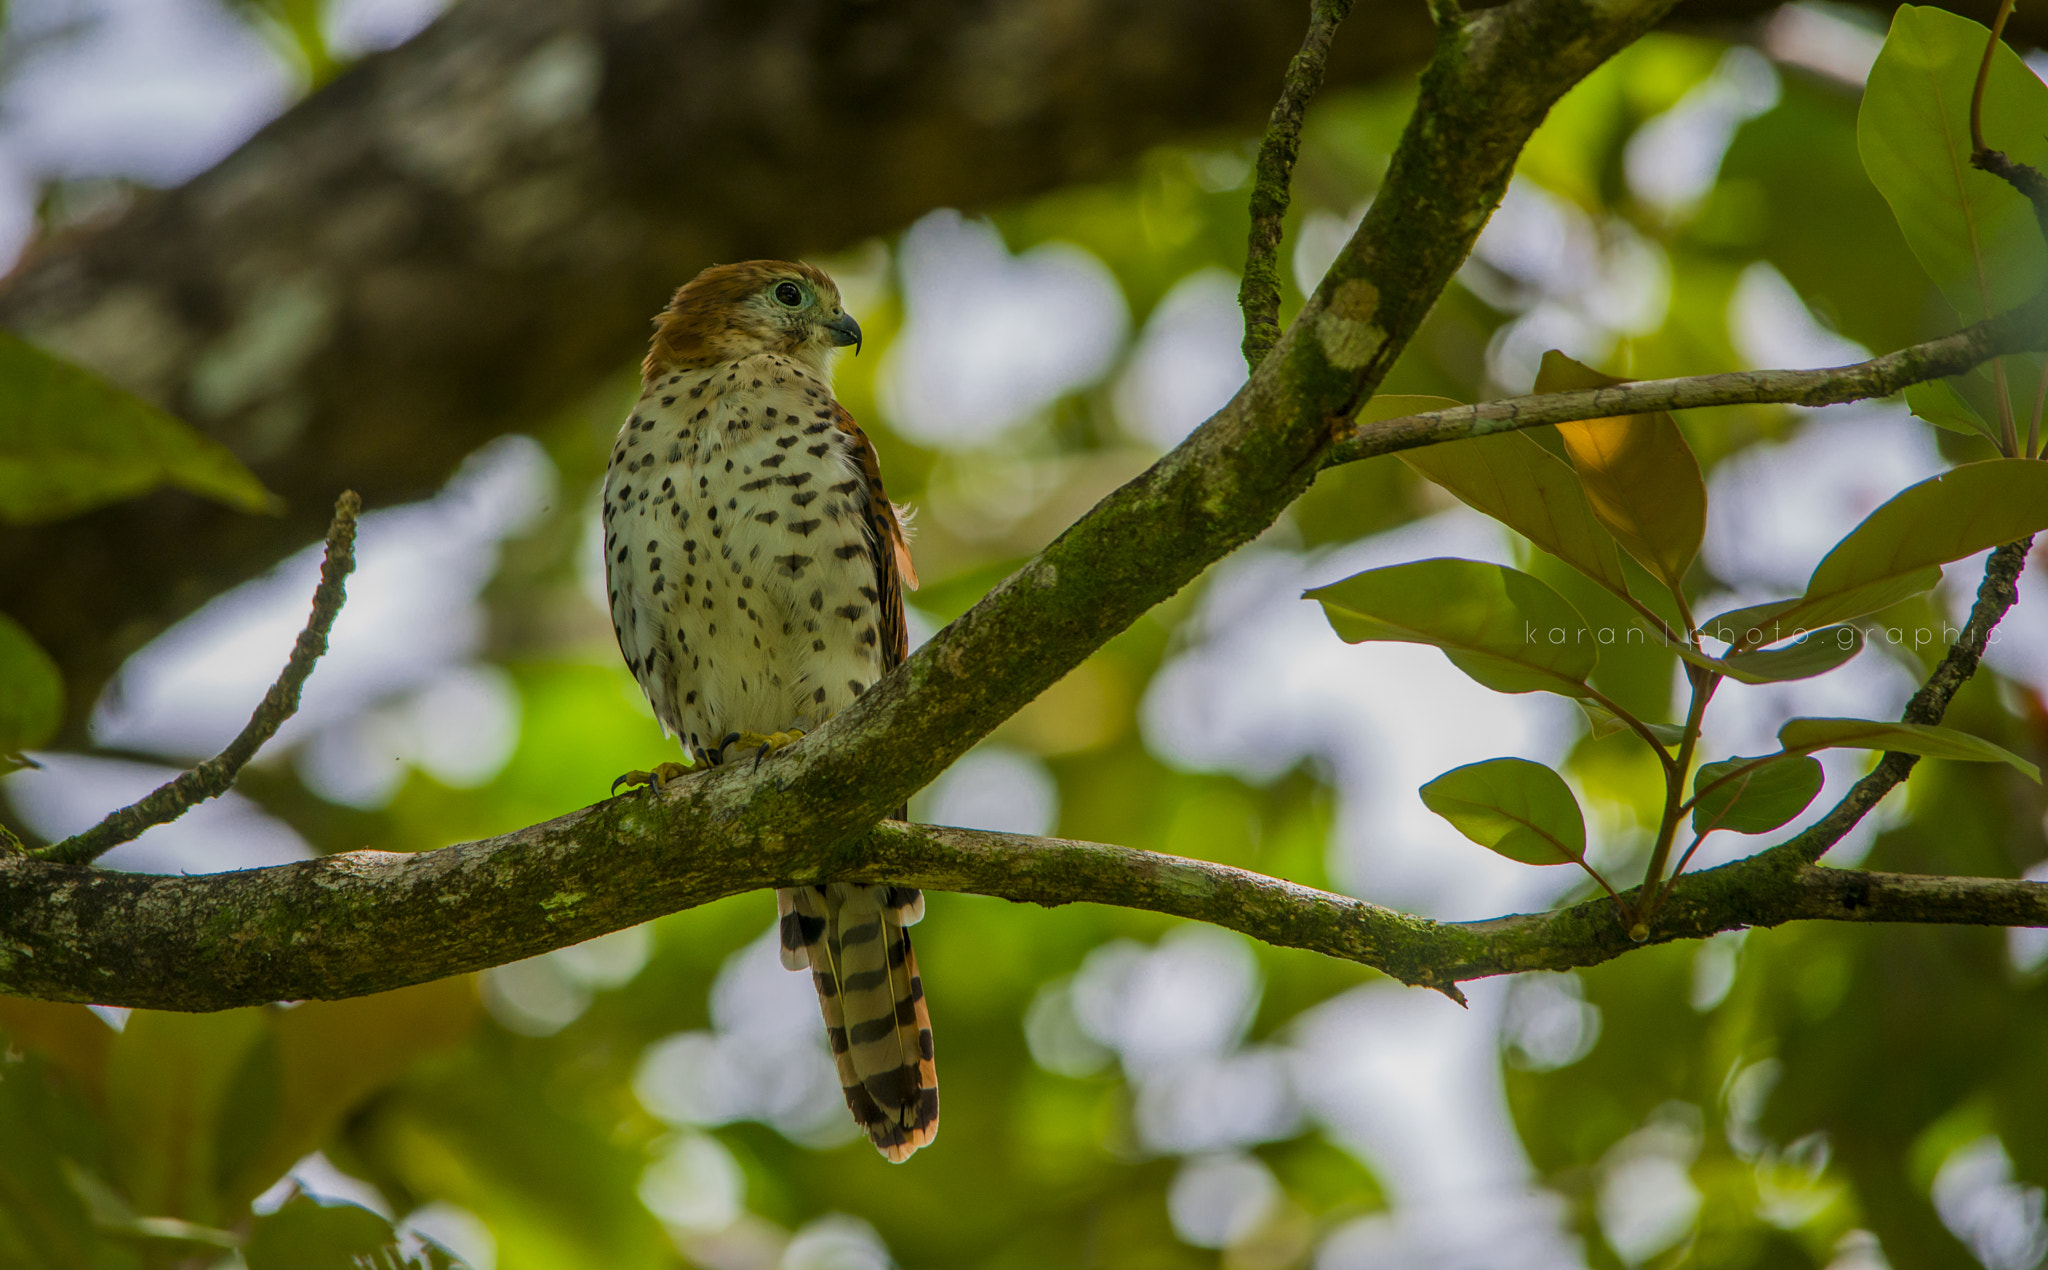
(755, 568)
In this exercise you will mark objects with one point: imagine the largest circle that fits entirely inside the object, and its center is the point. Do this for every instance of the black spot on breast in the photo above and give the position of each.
(795, 478)
(818, 451)
(786, 442)
(819, 695)
(793, 564)
(849, 551)
(856, 687)
(668, 401)
(851, 612)
(774, 460)
(803, 527)
(760, 483)
(805, 498)
(817, 600)
(766, 518)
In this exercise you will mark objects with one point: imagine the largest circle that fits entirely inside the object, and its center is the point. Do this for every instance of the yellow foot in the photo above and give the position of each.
(762, 744)
(663, 775)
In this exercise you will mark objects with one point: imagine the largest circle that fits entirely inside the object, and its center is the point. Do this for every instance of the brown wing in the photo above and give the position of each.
(893, 569)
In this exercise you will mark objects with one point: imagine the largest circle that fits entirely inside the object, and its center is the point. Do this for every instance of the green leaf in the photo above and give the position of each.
(31, 693)
(1925, 739)
(1938, 402)
(1974, 234)
(1512, 807)
(330, 1056)
(1498, 625)
(1757, 801)
(1898, 550)
(307, 1235)
(1520, 484)
(1810, 653)
(1640, 477)
(170, 1079)
(70, 441)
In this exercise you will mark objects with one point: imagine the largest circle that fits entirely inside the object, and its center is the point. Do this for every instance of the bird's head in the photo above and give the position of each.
(756, 306)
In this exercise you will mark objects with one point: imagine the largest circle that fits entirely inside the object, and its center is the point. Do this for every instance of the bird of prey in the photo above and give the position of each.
(756, 572)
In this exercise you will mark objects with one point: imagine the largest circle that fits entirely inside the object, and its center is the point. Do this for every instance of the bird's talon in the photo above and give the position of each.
(658, 780)
(763, 744)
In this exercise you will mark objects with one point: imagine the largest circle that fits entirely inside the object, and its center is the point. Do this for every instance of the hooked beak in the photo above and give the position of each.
(845, 331)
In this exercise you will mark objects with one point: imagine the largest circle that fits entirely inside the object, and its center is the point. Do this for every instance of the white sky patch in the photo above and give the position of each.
(1217, 1200)
(1188, 363)
(1319, 240)
(1412, 1084)
(157, 90)
(991, 338)
(404, 639)
(1176, 1014)
(1267, 684)
(355, 27)
(1772, 327)
(1576, 286)
(456, 1229)
(1826, 39)
(993, 788)
(763, 1058)
(1672, 161)
(1775, 509)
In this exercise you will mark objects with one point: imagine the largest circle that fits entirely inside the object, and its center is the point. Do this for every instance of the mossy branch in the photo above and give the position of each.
(1272, 177)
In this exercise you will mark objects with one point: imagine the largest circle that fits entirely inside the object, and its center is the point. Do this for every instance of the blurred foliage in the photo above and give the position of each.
(1770, 1100)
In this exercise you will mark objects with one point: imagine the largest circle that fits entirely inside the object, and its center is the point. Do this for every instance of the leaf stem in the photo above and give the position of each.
(2034, 424)
(1703, 684)
(2008, 426)
(1640, 728)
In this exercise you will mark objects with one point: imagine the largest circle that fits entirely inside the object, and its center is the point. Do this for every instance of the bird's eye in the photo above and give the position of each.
(790, 294)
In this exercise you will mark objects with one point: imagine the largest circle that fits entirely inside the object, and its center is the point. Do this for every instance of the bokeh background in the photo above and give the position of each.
(1120, 1089)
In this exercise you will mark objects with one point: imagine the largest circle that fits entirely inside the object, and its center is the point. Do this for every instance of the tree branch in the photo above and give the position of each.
(212, 778)
(2016, 331)
(1259, 294)
(327, 928)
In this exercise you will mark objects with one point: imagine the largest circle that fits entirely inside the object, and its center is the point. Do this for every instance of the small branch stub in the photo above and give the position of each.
(1259, 294)
(212, 778)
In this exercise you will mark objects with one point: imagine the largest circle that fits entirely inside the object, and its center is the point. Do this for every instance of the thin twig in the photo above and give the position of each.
(1259, 294)
(212, 778)
(2015, 331)
(1998, 593)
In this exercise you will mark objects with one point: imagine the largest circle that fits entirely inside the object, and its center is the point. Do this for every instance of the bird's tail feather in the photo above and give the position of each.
(853, 939)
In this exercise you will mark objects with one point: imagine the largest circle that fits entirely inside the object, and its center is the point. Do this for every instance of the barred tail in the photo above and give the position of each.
(853, 940)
